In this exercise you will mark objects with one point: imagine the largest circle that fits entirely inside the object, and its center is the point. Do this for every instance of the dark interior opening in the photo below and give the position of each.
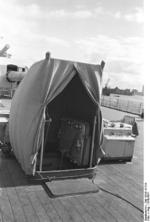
(72, 103)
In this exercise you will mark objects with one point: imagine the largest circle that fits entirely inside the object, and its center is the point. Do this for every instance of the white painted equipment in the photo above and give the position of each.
(118, 147)
(117, 128)
(118, 142)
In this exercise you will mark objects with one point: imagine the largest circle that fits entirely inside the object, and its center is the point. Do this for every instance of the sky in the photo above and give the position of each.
(79, 30)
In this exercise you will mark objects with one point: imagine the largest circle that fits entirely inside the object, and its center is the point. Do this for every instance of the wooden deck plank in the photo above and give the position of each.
(29, 211)
(19, 179)
(84, 214)
(7, 198)
(16, 205)
(39, 209)
(18, 211)
(46, 202)
(5, 206)
(117, 184)
(61, 211)
(71, 210)
(122, 210)
(120, 182)
(123, 171)
(108, 204)
(101, 210)
(90, 209)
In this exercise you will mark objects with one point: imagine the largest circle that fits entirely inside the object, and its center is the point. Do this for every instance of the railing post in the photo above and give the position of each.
(127, 106)
(140, 108)
(117, 103)
(109, 102)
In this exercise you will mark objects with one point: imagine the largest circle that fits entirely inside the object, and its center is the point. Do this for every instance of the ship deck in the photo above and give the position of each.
(22, 200)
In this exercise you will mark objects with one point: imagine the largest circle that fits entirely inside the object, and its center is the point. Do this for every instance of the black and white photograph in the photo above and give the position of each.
(72, 111)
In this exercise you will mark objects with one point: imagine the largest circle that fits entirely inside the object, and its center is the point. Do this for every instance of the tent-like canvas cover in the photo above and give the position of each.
(44, 81)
